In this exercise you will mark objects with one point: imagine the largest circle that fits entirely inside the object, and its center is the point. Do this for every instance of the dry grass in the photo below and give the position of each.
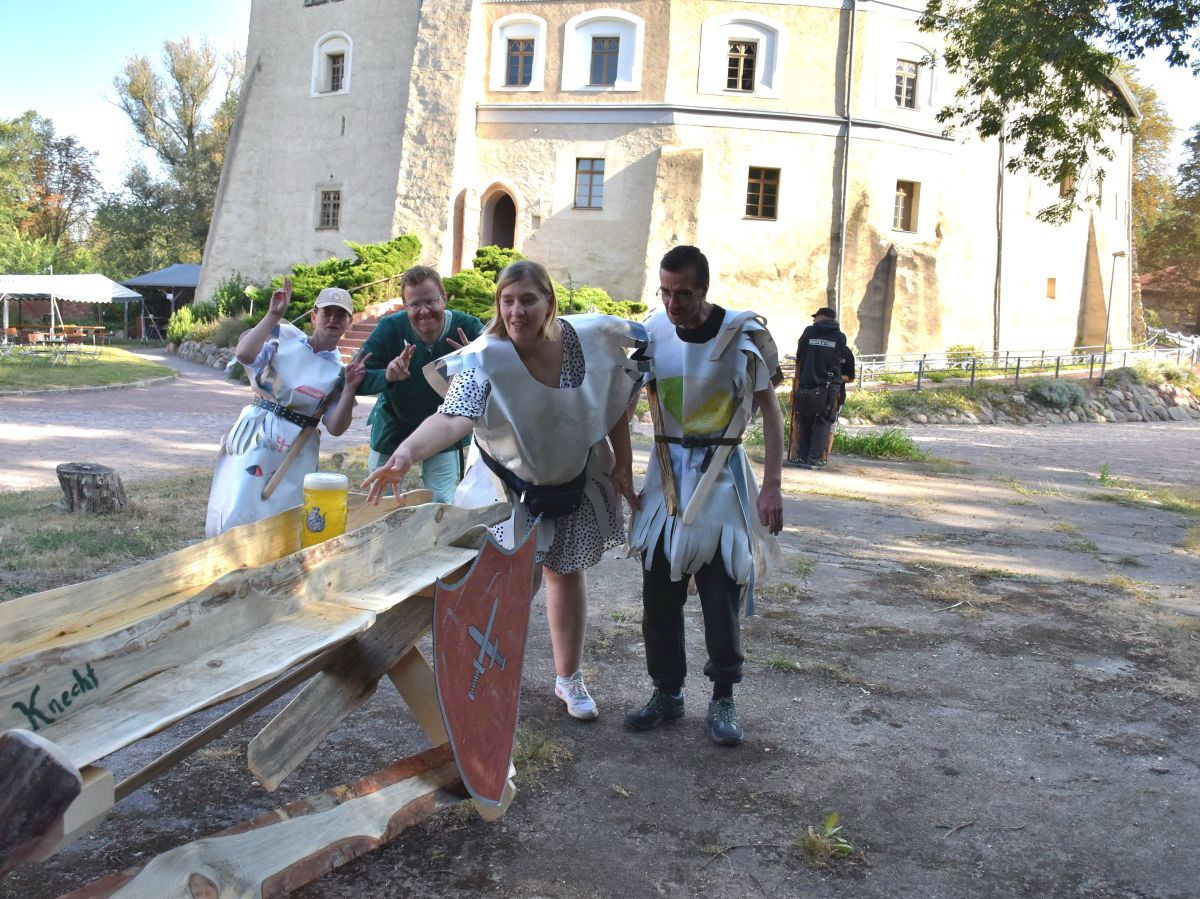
(535, 754)
(44, 546)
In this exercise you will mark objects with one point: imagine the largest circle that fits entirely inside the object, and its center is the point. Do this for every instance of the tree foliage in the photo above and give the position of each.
(1040, 75)
(181, 116)
(1153, 180)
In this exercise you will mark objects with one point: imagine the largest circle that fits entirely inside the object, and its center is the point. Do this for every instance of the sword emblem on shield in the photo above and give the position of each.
(479, 630)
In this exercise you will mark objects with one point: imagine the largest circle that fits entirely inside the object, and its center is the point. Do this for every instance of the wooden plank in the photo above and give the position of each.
(222, 725)
(38, 783)
(90, 807)
(68, 614)
(155, 703)
(347, 683)
(283, 850)
(45, 689)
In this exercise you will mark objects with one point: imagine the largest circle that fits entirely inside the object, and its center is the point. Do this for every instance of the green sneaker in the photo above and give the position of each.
(722, 722)
(661, 707)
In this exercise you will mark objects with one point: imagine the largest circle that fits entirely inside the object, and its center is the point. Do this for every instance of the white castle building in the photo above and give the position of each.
(795, 142)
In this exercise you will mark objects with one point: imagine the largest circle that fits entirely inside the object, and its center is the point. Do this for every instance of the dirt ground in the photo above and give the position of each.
(989, 674)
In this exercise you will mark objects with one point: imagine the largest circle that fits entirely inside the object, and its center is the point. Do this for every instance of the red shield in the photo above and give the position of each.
(479, 628)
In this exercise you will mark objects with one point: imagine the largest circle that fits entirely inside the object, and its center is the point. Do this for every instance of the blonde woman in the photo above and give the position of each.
(547, 398)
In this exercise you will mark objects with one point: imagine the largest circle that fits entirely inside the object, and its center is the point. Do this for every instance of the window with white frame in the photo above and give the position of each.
(602, 50)
(907, 79)
(589, 183)
(329, 215)
(742, 54)
(331, 65)
(518, 54)
(904, 210)
(906, 83)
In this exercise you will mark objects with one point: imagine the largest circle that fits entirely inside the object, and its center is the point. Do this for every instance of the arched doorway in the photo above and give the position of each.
(499, 221)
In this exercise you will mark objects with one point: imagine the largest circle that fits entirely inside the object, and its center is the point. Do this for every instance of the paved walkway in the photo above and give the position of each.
(152, 431)
(140, 431)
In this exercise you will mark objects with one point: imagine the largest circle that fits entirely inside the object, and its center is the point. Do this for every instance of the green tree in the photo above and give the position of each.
(1153, 179)
(1039, 74)
(182, 117)
(143, 228)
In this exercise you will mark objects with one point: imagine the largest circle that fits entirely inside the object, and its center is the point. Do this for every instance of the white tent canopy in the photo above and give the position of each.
(74, 288)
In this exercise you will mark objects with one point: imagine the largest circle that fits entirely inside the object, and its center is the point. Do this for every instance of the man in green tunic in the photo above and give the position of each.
(401, 345)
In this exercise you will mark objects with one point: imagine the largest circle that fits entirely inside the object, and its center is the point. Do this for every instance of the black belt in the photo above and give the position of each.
(698, 442)
(305, 421)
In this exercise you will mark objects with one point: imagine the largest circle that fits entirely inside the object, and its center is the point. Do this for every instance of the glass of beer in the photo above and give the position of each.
(325, 495)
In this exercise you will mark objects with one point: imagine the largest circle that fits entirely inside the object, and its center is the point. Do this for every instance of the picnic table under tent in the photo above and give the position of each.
(94, 288)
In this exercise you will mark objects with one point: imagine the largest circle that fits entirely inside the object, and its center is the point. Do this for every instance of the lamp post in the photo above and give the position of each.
(1117, 254)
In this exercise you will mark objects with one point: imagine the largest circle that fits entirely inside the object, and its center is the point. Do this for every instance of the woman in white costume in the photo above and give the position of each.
(292, 375)
(547, 399)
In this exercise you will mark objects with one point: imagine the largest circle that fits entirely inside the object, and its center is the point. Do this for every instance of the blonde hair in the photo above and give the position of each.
(534, 272)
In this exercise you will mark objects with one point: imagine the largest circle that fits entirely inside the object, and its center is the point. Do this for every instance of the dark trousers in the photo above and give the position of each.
(662, 623)
(816, 411)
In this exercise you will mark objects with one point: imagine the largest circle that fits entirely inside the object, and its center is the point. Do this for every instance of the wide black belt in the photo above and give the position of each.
(697, 442)
(304, 421)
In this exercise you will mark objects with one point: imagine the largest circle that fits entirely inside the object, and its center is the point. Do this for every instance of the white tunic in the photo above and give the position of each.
(547, 435)
(288, 372)
(706, 391)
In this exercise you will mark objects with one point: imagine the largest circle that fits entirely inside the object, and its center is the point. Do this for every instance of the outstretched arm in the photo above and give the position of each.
(435, 433)
(251, 342)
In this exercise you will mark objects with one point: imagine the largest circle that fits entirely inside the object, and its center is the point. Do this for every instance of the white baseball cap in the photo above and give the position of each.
(335, 296)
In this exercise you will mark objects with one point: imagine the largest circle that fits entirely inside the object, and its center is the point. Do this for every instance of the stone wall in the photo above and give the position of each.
(1115, 403)
(206, 354)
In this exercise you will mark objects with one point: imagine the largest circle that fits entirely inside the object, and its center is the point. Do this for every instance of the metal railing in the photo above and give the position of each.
(916, 369)
(1188, 343)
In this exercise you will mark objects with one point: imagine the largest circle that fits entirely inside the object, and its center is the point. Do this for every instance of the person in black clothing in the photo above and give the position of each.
(824, 363)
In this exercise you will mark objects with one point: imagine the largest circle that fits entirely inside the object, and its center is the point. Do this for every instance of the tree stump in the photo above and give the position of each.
(89, 487)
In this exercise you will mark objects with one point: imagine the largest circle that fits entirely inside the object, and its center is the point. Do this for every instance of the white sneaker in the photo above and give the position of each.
(575, 694)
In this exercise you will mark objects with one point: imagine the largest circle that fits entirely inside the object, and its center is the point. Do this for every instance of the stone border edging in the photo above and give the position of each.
(147, 382)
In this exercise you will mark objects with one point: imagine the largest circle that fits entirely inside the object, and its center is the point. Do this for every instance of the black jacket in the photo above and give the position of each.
(823, 356)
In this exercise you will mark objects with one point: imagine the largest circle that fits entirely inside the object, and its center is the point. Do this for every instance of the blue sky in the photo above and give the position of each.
(68, 77)
(72, 49)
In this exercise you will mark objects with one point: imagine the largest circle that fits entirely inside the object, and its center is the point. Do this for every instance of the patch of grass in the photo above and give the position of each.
(621, 616)
(1183, 500)
(779, 589)
(951, 588)
(820, 845)
(1130, 561)
(1045, 488)
(1191, 540)
(833, 494)
(894, 405)
(890, 443)
(804, 567)
(535, 754)
(1084, 545)
(1065, 527)
(115, 366)
(46, 547)
(783, 665)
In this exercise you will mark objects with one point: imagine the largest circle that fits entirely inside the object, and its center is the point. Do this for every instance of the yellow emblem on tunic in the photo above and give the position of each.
(711, 416)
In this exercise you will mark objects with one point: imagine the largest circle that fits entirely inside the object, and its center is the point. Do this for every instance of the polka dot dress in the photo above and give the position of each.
(578, 541)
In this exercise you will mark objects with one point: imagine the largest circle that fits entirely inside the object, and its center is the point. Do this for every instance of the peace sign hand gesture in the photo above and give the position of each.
(397, 369)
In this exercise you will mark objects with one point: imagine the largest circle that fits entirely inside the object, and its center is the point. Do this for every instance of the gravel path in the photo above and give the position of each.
(142, 432)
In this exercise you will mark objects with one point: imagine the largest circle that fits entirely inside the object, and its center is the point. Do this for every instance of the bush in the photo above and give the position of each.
(203, 332)
(1057, 394)
(374, 269)
(960, 355)
(1153, 319)
(228, 331)
(179, 328)
(232, 295)
(205, 312)
(471, 291)
(492, 260)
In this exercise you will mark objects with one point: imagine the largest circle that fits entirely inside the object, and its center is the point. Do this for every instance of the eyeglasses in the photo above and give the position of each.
(682, 295)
